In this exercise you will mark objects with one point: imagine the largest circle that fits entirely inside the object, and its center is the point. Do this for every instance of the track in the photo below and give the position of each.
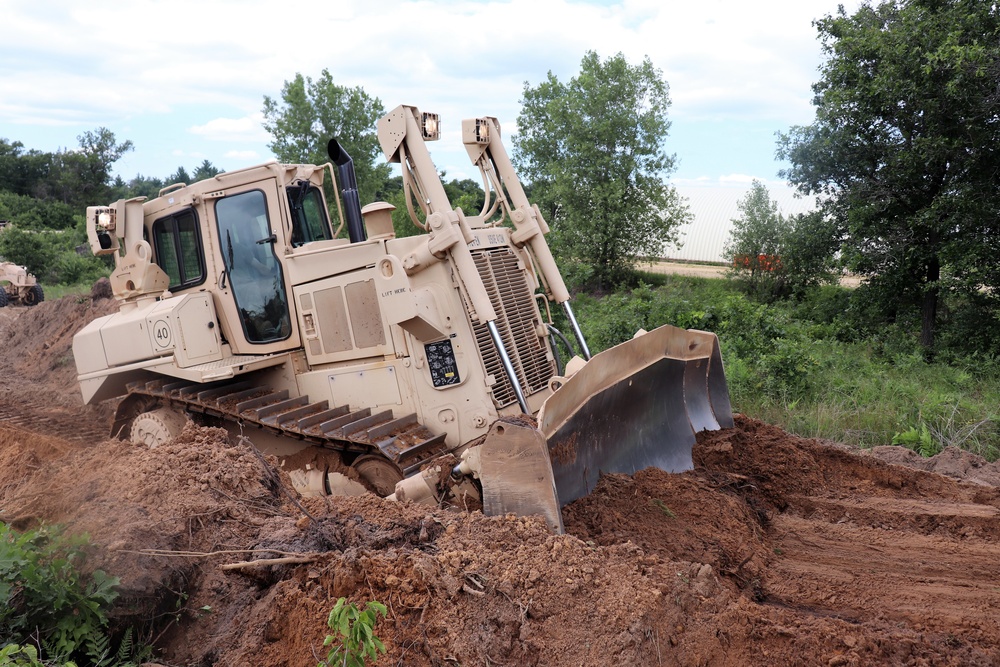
(402, 440)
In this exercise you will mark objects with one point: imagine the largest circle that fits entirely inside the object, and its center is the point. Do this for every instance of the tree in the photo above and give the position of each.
(774, 256)
(592, 150)
(20, 171)
(905, 149)
(756, 244)
(312, 112)
(82, 177)
(138, 186)
(205, 170)
(180, 176)
(466, 194)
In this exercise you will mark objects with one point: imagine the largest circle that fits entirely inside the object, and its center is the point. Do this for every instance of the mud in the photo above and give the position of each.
(773, 550)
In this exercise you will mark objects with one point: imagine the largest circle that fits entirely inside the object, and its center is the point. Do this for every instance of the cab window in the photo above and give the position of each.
(309, 218)
(179, 252)
(248, 254)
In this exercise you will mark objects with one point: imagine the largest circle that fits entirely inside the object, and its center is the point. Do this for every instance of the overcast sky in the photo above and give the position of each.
(185, 81)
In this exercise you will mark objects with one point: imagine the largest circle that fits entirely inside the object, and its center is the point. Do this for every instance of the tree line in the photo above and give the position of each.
(903, 158)
(591, 150)
(43, 196)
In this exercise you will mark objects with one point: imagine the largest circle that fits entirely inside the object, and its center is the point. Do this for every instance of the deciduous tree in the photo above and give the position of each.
(593, 151)
(905, 148)
(774, 255)
(756, 244)
(310, 113)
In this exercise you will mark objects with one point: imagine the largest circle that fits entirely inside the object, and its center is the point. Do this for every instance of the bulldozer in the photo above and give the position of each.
(18, 286)
(429, 364)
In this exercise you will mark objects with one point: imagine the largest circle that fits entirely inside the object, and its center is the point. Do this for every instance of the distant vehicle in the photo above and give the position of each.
(19, 286)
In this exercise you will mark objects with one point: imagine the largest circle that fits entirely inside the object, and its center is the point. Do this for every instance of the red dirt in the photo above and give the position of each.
(773, 550)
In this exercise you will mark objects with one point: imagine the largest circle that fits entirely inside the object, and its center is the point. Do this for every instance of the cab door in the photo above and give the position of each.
(254, 293)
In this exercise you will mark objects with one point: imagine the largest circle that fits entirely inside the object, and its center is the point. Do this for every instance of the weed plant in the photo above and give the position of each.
(50, 611)
(355, 641)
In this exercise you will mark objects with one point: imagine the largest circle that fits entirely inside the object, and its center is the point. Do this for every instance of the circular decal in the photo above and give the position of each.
(161, 333)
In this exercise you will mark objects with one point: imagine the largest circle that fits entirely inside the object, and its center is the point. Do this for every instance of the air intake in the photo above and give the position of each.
(517, 323)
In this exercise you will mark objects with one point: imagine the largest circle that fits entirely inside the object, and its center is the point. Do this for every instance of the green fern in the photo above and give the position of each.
(921, 441)
(98, 646)
(45, 599)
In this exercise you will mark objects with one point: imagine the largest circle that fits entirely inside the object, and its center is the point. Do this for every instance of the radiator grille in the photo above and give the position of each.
(512, 300)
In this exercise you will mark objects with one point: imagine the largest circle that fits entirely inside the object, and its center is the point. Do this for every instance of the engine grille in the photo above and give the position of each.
(513, 302)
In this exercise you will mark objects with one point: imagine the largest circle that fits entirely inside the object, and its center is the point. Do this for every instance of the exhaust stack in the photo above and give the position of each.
(349, 189)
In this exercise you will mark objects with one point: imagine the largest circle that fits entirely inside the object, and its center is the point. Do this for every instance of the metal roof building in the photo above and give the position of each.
(714, 208)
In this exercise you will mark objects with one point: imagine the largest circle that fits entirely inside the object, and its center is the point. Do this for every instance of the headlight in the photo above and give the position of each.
(106, 219)
(482, 131)
(476, 131)
(429, 126)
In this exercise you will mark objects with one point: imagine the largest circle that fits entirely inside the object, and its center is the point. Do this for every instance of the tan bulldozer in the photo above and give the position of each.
(18, 286)
(427, 364)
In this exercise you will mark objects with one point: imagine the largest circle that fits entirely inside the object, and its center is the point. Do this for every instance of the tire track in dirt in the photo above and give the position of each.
(889, 564)
(45, 420)
(38, 387)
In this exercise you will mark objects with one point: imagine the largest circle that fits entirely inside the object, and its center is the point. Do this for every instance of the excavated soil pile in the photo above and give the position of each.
(38, 388)
(773, 550)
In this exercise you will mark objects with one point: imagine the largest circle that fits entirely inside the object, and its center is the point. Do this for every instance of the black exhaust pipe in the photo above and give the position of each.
(349, 190)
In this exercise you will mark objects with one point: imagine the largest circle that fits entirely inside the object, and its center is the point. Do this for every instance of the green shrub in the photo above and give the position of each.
(14, 655)
(827, 365)
(46, 601)
(919, 441)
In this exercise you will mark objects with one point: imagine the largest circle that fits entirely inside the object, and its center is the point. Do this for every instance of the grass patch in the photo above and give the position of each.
(53, 292)
(662, 506)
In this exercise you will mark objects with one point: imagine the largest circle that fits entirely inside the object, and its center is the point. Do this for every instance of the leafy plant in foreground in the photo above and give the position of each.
(356, 634)
(13, 655)
(47, 603)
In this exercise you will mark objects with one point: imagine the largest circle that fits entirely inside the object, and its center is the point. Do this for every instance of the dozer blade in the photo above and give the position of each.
(516, 473)
(634, 406)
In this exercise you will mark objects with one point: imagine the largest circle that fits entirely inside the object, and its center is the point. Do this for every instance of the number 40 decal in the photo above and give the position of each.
(161, 333)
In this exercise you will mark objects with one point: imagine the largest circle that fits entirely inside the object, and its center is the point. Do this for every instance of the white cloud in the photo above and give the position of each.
(244, 157)
(248, 128)
(201, 69)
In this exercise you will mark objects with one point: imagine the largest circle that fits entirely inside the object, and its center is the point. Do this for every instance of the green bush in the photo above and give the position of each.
(14, 655)
(46, 601)
(827, 365)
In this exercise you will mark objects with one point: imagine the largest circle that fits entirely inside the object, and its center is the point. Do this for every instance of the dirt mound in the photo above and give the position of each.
(774, 548)
(43, 338)
(38, 388)
(951, 462)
